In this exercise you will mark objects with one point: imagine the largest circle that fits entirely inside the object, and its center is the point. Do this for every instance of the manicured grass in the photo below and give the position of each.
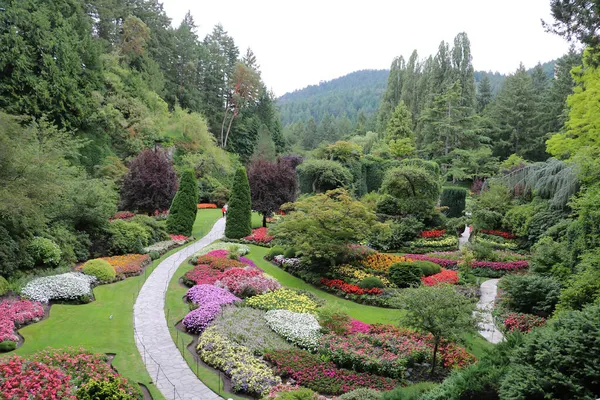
(105, 325)
(256, 220)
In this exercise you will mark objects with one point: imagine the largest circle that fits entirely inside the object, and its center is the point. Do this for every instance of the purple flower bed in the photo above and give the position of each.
(442, 262)
(210, 299)
(502, 265)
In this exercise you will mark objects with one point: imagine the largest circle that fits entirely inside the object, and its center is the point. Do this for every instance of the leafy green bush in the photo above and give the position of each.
(126, 237)
(455, 200)
(4, 286)
(290, 252)
(531, 294)
(333, 319)
(7, 345)
(239, 213)
(415, 189)
(558, 361)
(275, 251)
(44, 252)
(482, 250)
(371, 282)
(317, 176)
(154, 255)
(428, 268)
(361, 394)
(184, 207)
(412, 392)
(400, 231)
(105, 390)
(101, 269)
(584, 287)
(405, 274)
(74, 245)
(156, 230)
(10, 256)
(546, 254)
(298, 394)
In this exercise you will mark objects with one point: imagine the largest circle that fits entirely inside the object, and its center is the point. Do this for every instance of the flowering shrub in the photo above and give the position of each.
(433, 233)
(69, 286)
(22, 379)
(449, 241)
(357, 252)
(210, 299)
(286, 263)
(357, 326)
(501, 265)
(16, 313)
(241, 249)
(128, 264)
(310, 371)
(348, 287)
(204, 206)
(201, 275)
(178, 238)
(161, 247)
(283, 299)
(357, 274)
(515, 321)
(161, 215)
(442, 262)
(381, 261)
(126, 215)
(259, 236)
(505, 235)
(248, 374)
(246, 282)
(299, 328)
(446, 276)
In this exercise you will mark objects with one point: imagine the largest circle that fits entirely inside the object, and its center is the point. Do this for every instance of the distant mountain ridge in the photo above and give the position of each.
(355, 92)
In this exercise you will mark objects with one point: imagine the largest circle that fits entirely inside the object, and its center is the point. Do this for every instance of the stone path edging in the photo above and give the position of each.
(160, 355)
(487, 328)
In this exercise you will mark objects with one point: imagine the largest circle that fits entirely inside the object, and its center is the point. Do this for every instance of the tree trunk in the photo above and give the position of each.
(229, 128)
(223, 126)
(264, 220)
(435, 349)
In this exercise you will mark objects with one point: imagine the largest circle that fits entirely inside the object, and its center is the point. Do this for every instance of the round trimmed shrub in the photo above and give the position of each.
(405, 274)
(361, 394)
(154, 255)
(428, 268)
(289, 253)
(3, 286)
(101, 269)
(110, 389)
(44, 251)
(275, 251)
(7, 345)
(371, 282)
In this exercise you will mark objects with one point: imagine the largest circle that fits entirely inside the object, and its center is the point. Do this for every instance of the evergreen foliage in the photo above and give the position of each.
(455, 200)
(317, 176)
(182, 213)
(239, 211)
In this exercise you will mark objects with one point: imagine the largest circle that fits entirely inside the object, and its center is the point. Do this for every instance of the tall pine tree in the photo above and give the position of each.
(182, 213)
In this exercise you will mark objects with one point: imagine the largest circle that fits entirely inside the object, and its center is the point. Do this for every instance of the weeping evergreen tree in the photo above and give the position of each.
(182, 213)
(239, 211)
(455, 200)
(553, 179)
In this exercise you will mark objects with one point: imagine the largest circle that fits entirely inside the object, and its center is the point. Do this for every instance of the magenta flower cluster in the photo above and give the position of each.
(209, 298)
(357, 326)
(15, 313)
(246, 282)
(442, 262)
(502, 265)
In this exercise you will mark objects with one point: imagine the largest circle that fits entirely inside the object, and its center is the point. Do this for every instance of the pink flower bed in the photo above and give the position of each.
(202, 275)
(260, 236)
(15, 313)
(442, 262)
(515, 321)
(502, 265)
(210, 299)
(178, 238)
(446, 276)
(22, 379)
(246, 282)
(357, 326)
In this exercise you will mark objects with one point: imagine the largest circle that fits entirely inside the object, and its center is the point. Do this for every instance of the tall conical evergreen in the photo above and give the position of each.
(184, 206)
(239, 211)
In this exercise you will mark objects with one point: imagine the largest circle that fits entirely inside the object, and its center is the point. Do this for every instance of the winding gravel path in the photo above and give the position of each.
(487, 328)
(165, 364)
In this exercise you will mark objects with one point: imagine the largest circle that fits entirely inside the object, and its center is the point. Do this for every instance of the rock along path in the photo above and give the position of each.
(165, 364)
(487, 328)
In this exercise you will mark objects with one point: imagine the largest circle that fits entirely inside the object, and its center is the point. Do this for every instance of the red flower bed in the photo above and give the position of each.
(15, 313)
(246, 282)
(178, 238)
(505, 235)
(259, 235)
(122, 215)
(446, 276)
(348, 287)
(203, 206)
(433, 233)
(202, 274)
(22, 379)
(442, 262)
(310, 371)
(515, 321)
(502, 265)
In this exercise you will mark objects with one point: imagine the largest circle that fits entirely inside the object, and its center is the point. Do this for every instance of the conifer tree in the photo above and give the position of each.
(484, 93)
(185, 205)
(239, 212)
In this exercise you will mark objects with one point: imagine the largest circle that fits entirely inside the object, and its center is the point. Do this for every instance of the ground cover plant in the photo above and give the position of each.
(72, 286)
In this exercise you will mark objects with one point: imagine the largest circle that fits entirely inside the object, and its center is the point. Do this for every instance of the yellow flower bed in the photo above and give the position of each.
(351, 272)
(283, 299)
(382, 261)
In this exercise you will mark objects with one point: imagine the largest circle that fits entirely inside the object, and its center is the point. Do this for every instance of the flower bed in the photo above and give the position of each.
(241, 249)
(358, 275)
(356, 252)
(128, 264)
(446, 276)
(259, 236)
(225, 254)
(505, 235)
(178, 238)
(299, 328)
(381, 261)
(348, 287)
(497, 242)
(205, 206)
(310, 371)
(357, 326)
(66, 287)
(15, 313)
(247, 373)
(515, 321)
(433, 233)
(283, 299)
(503, 266)
(286, 263)
(441, 242)
(246, 282)
(161, 247)
(201, 275)
(219, 263)
(442, 262)
(209, 299)
(125, 215)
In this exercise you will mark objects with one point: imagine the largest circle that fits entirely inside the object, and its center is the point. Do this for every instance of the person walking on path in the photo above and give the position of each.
(224, 210)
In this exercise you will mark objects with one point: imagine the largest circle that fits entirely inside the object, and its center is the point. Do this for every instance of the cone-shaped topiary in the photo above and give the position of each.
(182, 213)
(239, 211)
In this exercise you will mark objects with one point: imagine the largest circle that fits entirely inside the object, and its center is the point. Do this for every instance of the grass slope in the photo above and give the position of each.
(90, 325)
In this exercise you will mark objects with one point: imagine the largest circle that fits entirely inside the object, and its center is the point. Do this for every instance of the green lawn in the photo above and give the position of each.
(90, 325)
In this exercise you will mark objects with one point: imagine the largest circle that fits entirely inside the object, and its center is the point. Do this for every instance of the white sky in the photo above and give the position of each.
(301, 43)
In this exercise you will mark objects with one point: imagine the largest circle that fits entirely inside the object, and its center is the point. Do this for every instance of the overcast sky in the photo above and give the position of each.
(299, 43)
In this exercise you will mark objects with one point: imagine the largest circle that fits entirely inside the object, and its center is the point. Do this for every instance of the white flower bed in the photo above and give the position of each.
(287, 262)
(162, 247)
(69, 286)
(299, 328)
(242, 248)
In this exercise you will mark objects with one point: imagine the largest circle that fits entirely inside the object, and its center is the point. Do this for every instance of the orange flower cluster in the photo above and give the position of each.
(202, 206)
(128, 264)
(382, 261)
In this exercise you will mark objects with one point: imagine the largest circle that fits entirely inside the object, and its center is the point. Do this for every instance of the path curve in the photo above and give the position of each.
(161, 357)
(487, 328)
